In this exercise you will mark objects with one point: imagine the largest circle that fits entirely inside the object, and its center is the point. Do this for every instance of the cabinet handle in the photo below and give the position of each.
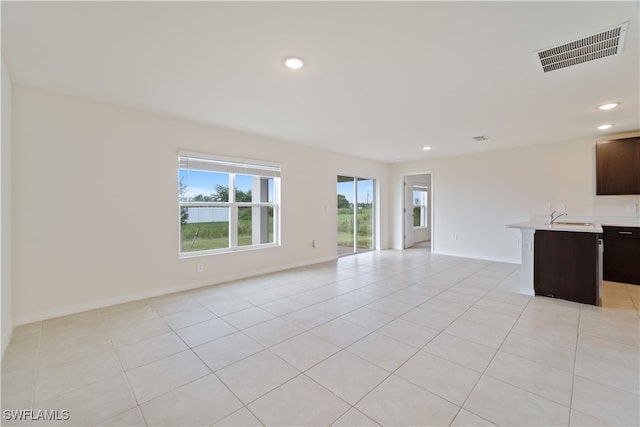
(625, 232)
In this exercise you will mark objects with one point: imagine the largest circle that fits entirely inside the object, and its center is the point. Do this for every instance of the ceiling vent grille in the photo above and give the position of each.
(605, 43)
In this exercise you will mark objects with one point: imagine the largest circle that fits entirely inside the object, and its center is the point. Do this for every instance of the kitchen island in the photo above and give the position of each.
(561, 260)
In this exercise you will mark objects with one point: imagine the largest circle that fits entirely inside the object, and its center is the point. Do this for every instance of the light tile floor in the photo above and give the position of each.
(380, 338)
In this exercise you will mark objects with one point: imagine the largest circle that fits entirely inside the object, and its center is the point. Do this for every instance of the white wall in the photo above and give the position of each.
(475, 196)
(119, 163)
(6, 315)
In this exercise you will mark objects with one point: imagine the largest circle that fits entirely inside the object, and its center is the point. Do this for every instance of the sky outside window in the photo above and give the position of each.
(205, 183)
(365, 191)
(201, 182)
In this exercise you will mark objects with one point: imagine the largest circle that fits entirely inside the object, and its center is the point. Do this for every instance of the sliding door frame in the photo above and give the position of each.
(373, 220)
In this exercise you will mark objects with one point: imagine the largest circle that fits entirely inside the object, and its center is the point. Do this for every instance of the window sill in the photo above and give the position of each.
(227, 250)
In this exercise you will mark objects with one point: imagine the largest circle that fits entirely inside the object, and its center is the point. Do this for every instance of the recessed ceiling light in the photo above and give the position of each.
(426, 148)
(605, 126)
(293, 63)
(609, 106)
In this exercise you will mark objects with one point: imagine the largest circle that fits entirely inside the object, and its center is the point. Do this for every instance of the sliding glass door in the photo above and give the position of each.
(356, 221)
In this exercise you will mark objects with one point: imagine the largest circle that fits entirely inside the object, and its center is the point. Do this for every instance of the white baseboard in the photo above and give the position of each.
(91, 305)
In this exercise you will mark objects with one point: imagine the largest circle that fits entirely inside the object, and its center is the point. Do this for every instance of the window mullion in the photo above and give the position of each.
(233, 213)
(277, 213)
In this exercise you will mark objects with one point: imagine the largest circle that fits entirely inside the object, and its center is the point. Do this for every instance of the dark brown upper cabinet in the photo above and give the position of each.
(618, 166)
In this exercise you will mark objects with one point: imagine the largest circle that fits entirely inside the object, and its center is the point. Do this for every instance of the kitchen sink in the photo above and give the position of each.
(586, 224)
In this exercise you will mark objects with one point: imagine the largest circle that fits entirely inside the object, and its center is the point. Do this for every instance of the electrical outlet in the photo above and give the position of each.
(546, 208)
(455, 237)
(199, 267)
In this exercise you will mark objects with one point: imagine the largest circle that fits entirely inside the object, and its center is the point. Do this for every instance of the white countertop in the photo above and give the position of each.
(594, 228)
(621, 224)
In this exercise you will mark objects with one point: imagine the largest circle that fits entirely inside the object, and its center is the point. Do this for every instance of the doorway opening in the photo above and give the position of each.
(356, 219)
(417, 210)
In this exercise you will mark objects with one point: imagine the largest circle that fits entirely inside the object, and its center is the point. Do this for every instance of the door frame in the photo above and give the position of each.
(404, 204)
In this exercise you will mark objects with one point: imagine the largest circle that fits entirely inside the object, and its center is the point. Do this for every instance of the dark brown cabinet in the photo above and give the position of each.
(618, 166)
(566, 265)
(621, 258)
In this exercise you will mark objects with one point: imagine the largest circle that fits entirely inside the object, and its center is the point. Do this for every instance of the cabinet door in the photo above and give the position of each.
(566, 265)
(618, 166)
(622, 260)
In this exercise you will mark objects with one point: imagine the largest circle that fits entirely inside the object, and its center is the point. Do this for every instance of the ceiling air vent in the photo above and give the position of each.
(605, 43)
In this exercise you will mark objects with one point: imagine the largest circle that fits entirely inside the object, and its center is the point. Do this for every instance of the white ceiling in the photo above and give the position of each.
(382, 79)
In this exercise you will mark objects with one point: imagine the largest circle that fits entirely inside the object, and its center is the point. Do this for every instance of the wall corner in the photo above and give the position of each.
(6, 300)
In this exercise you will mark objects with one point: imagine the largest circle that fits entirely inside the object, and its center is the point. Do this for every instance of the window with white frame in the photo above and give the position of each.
(214, 219)
(420, 200)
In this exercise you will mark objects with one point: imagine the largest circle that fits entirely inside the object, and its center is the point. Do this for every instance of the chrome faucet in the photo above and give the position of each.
(553, 218)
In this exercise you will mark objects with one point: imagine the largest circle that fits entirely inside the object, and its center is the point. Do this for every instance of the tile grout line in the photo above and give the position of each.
(319, 362)
(211, 372)
(320, 275)
(483, 373)
(575, 359)
(637, 306)
(345, 349)
(124, 373)
(35, 370)
(393, 372)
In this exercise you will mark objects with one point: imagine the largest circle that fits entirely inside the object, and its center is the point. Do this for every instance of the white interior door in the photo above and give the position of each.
(408, 212)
